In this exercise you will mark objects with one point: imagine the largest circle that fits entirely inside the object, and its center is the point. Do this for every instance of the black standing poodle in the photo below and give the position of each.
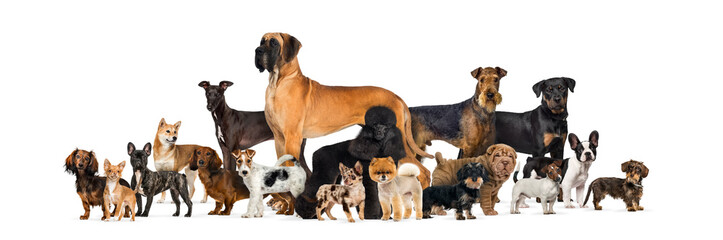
(379, 137)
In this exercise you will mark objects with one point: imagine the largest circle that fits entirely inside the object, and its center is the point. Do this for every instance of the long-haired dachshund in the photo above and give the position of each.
(88, 184)
(223, 185)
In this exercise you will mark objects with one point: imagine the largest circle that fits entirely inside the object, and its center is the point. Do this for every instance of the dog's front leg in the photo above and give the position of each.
(543, 201)
(551, 204)
(566, 196)
(86, 208)
(386, 207)
(397, 207)
(149, 202)
(216, 210)
(580, 192)
(361, 210)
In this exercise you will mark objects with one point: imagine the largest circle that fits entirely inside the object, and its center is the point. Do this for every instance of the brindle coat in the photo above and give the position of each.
(153, 183)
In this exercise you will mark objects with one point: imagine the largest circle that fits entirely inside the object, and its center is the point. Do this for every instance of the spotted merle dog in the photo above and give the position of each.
(152, 183)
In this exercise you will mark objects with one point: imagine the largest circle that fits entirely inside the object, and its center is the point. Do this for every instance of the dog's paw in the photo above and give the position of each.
(351, 220)
(471, 217)
(160, 201)
(524, 205)
(187, 215)
(569, 206)
(459, 217)
(85, 217)
(514, 212)
(204, 200)
(212, 213)
(640, 208)
(246, 215)
(176, 214)
(332, 218)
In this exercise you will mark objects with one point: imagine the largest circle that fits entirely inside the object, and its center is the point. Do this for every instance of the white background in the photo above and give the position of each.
(96, 75)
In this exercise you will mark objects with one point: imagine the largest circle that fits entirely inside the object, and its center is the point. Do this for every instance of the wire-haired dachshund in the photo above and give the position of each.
(88, 184)
(630, 189)
(153, 183)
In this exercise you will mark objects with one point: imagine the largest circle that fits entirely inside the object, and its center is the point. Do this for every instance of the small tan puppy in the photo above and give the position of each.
(117, 194)
(398, 188)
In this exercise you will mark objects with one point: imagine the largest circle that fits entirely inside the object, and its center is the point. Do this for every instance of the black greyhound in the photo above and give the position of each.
(237, 129)
(152, 183)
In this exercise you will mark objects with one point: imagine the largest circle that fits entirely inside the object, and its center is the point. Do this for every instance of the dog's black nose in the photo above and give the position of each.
(208, 107)
(490, 95)
(201, 162)
(259, 50)
(557, 99)
(244, 172)
(174, 138)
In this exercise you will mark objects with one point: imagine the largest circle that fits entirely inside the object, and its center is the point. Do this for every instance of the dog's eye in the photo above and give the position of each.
(559, 87)
(273, 42)
(198, 153)
(208, 154)
(249, 161)
(262, 42)
(168, 131)
(239, 162)
(174, 132)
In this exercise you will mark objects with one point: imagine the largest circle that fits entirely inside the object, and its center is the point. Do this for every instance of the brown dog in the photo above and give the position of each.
(499, 161)
(223, 185)
(298, 107)
(169, 156)
(629, 189)
(468, 125)
(117, 194)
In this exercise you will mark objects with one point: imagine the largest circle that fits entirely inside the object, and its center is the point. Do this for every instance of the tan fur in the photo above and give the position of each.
(117, 194)
(499, 161)
(298, 107)
(398, 191)
(169, 156)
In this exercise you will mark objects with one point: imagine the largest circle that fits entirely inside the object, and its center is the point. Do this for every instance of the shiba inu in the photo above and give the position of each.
(168, 156)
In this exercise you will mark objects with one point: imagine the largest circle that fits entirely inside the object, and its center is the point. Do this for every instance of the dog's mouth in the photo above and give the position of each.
(171, 140)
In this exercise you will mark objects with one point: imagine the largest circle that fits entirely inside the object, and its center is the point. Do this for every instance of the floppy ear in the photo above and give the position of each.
(475, 73)
(217, 162)
(147, 148)
(177, 125)
(460, 174)
(558, 163)
(251, 153)
(359, 168)
(537, 88)
(131, 148)
(501, 72)
(225, 84)
(624, 166)
(594, 136)
(236, 153)
(570, 83)
(291, 47)
(162, 123)
(93, 166)
(193, 165)
(491, 149)
(69, 163)
(645, 170)
(204, 84)
(574, 141)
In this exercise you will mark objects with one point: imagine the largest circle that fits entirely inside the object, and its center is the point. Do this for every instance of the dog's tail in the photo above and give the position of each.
(589, 188)
(408, 170)
(287, 157)
(439, 158)
(409, 137)
(517, 170)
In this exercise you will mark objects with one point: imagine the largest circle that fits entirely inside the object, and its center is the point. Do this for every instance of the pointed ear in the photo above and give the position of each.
(341, 167)
(225, 84)
(177, 125)
(131, 148)
(570, 84)
(475, 73)
(93, 167)
(574, 141)
(594, 136)
(291, 47)
(251, 153)
(162, 123)
(538, 87)
(204, 84)
(501, 72)
(359, 168)
(122, 165)
(106, 164)
(69, 163)
(147, 148)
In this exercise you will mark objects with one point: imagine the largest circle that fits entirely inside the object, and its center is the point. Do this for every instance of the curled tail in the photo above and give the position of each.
(439, 158)
(589, 188)
(517, 170)
(408, 170)
(285, 158)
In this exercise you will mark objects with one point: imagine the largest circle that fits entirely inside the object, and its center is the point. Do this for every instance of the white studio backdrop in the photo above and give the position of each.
(96, 75)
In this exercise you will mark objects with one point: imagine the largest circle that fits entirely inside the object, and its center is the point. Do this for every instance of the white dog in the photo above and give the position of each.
(263, 179)
(577, 167)
(546, 189)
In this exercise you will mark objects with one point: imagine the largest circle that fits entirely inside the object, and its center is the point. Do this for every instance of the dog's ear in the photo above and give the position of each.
(69, 163)
(106, 164)
(122, 165)
(460, 173)
(193, 163)
(538, 87)
(491, 149)
(341, 167)
(251, 153)
(558, 163)
(594, 136)
(147, 148)
(570, 83)
(501, 72)
(93, 166)
(225, 84)
(645, 170)
(131, 148)
(177, 125)
(624, 166)
(236, 153)
(162, 123)
(359, 168)
(476, 72)
(291, 47)
(204, 84)
(574, 141)
(217, 163)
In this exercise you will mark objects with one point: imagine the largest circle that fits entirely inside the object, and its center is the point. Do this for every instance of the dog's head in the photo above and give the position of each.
(214, 93)
(81, 162)
(139, 158)
(205, 157)
(244, 161)
(554, 93)
(113, 172)
(502, 159)
(167, 134)
(488, 84)
(634, 172)
(553, 171)
(382, 170)
(472, 175)
(353, 175)
(587, 150)
(379, 136)
(275, 50)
